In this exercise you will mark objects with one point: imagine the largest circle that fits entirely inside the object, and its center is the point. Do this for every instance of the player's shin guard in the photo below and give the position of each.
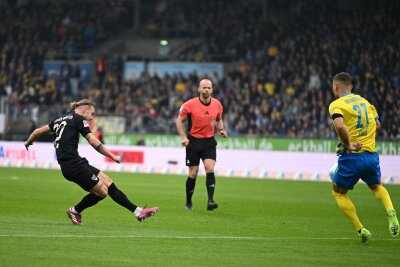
(383, 196)
(88, 201)
(210, 183)
(190, 185)
(119, 197)
(348, 208)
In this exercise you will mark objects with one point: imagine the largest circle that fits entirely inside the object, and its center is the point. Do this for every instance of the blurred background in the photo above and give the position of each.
(271, 63)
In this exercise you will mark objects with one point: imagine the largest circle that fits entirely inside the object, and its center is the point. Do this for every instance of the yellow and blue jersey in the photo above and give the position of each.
(359, 118)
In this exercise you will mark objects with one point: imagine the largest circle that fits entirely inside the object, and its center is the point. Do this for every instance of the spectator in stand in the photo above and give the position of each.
(101, 70)
(75, 78)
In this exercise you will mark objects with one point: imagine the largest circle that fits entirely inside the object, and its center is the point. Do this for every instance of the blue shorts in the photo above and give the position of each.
(355, 166)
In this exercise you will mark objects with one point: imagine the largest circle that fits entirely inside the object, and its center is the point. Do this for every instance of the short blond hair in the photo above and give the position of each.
(83, 102)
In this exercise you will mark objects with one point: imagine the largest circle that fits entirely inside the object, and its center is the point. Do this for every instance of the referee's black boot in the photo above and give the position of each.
(188, 206)
(212, 205)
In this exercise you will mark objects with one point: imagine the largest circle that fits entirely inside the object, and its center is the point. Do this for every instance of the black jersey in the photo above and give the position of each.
(66, 130)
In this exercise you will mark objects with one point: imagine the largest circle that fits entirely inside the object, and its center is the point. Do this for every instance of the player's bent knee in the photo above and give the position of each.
(338, 190)
(100, 193)
(193, 175)
(103, 192)
(193, 172)
(105, 179)
(373, 187)
(100, 189)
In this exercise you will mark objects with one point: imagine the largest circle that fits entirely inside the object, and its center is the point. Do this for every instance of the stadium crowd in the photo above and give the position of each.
(34, 31)
(278, 85)
(282, 85)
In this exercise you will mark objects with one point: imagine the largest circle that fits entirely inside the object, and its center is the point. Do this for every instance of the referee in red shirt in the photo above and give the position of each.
(203, 113)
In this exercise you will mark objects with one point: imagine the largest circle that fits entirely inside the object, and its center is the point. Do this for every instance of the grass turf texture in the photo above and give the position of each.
(258, 223)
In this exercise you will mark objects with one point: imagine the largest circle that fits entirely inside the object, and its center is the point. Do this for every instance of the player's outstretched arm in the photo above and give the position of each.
(96, 144)
(36, 134)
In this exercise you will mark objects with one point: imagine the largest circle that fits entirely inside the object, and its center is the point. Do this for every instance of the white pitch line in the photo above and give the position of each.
(195, 237)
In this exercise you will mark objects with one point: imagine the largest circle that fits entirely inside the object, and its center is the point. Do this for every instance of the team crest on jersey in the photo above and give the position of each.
(181, 108)
(85, 123)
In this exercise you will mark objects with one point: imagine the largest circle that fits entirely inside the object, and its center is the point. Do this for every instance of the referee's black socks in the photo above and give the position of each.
(190, 184)
(210, 183)
(119, 197)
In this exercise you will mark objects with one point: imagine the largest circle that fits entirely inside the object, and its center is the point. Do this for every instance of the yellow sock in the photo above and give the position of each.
(383, 195)
(348, 208)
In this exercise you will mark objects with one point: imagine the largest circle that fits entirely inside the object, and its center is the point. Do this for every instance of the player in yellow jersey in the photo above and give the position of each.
(356, 121)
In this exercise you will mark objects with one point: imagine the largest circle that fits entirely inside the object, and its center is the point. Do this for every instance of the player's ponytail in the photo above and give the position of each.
(83, 102)
(73, 105)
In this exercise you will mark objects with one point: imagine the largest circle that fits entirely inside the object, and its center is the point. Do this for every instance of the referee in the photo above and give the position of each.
(203, 113)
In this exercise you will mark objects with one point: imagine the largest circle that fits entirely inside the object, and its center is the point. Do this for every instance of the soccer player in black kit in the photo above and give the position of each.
(66, 129)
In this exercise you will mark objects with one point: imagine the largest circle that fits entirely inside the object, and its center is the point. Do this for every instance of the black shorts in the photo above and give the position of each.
(200, 148)
(80, 172)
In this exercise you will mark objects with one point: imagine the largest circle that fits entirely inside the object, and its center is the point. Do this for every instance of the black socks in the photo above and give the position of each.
(210, 183)
(88, 201)
(119, 197)
(190, 184)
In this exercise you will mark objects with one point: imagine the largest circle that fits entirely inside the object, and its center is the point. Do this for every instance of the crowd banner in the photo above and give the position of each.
(110, 124)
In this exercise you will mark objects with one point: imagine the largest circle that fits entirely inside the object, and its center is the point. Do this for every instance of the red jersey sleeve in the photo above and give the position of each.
(185, 110)
(221, 110)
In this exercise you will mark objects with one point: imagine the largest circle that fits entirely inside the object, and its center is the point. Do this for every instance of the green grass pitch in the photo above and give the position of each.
(258, 223)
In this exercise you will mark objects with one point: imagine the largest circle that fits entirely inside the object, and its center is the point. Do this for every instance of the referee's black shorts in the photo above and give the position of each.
(80, 172)
(200, 148)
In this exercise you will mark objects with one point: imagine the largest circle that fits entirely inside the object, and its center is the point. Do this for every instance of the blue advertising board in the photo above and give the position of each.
(133, 70)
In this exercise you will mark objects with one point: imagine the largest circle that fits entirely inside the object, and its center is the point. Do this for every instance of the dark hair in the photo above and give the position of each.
(83, 102)
(344, 78)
